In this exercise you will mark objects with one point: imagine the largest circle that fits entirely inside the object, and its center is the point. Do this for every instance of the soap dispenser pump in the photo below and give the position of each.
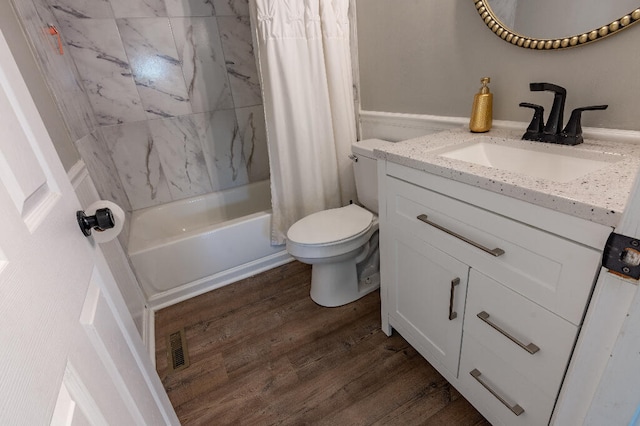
(482, 111)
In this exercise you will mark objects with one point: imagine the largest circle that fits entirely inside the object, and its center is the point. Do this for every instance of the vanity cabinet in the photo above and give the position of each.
(489, 289)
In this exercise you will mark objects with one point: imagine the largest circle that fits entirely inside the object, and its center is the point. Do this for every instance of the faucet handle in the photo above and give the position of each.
(572, 133)
(534, 131)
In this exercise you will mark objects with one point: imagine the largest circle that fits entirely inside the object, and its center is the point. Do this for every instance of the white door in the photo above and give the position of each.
(69, 353)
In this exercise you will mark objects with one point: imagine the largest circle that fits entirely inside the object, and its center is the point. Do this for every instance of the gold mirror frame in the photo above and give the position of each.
(516, 39)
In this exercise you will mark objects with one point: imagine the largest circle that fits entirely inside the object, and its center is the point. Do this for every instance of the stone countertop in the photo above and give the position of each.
(598, 196)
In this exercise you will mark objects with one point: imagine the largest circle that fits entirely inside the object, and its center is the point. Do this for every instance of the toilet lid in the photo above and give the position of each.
(332, 225)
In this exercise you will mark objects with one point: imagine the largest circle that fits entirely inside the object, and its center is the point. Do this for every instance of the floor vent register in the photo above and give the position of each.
(178, 355)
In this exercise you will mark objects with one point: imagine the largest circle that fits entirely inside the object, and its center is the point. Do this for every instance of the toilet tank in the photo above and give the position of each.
(365, 170)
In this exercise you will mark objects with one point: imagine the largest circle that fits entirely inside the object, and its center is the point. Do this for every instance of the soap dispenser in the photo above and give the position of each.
(482, 112)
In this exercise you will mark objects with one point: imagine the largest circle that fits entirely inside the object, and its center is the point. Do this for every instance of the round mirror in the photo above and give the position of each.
(557, 24)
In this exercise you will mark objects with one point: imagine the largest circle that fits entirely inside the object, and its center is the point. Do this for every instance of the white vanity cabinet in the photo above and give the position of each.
(489, 289)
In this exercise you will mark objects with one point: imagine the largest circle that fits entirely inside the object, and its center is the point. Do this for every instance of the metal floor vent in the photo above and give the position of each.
(177, 353)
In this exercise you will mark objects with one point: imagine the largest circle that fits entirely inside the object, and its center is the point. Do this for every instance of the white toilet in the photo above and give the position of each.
(342, 243)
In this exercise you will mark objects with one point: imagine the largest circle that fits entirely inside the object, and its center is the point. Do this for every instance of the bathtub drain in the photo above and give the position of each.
(177, 353)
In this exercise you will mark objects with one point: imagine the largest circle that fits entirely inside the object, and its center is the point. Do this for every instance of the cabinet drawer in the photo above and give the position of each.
(536, 342)
(552, 271)
(501, 381)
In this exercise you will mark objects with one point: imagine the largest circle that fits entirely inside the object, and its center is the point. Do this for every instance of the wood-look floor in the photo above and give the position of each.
(262, 352)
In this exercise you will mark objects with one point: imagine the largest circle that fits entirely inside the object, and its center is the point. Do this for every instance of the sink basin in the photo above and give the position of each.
(557, 163)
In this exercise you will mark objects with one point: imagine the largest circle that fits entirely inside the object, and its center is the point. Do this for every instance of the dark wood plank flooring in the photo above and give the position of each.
(262, 352)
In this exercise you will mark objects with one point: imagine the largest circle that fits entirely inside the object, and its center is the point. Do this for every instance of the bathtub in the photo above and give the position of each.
(185, 248)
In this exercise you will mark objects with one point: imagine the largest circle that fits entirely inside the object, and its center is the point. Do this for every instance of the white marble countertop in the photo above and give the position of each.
(598, 196)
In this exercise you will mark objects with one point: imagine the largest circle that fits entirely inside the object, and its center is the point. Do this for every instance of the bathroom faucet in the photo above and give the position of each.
(554, 122)
(553, 131)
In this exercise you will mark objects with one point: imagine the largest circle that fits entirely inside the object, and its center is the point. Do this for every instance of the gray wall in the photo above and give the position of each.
(51, 116)
(427, 57)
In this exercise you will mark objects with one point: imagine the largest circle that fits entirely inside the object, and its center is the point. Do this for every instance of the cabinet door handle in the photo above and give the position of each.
(515, 409)
(494, 252)
(452, 314)
(531, 347)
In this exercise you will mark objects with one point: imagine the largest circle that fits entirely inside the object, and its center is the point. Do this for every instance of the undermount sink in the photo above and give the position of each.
(556, 163)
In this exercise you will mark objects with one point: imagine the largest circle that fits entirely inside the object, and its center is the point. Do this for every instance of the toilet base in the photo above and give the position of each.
(336, 284)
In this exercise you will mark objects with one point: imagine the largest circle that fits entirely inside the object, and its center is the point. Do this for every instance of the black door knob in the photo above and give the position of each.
(103, 219)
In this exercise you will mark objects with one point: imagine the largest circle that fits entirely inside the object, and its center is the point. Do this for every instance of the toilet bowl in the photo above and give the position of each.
(341, 244)
(334, 242)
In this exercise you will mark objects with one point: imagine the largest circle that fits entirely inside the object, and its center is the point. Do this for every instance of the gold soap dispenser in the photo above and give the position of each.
(482, 112)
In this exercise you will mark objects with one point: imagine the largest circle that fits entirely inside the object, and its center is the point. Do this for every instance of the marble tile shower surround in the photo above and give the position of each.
(203, 63)
(178, 157)
(231, 7)
(93, 150)
(253, 136)
(150, 8)
(138, 164)
(68, 89)
(164, 102)
(102, 62)
(59, 70)
(138, 8)
(156, 68)
(180, 147)
(235, 33)
(190, 8)
(179, 65)
(102, 169)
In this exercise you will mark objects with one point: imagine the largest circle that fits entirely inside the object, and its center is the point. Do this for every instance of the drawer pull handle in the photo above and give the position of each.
(452, 314)
(531, 347)
(515, 409)
(494, 252)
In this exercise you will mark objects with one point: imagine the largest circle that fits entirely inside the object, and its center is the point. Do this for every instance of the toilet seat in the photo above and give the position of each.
(332, 226)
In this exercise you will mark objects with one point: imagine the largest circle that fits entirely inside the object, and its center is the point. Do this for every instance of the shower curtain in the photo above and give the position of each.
(305, 70)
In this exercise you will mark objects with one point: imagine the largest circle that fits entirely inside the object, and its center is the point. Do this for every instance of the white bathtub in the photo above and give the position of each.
(188, 247)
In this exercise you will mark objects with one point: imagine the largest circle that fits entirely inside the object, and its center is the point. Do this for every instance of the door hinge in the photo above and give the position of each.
(622, 255)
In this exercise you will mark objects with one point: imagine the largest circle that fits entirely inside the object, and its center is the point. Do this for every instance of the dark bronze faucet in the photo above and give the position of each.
(551, 132)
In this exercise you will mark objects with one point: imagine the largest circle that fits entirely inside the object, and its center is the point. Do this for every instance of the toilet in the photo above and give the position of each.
(342, 244)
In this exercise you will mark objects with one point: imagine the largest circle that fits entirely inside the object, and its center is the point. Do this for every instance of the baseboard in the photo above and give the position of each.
(395, 127)
(149, 333)
(212, 282)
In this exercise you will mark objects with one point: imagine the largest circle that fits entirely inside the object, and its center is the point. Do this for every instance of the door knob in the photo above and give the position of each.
(102, 220)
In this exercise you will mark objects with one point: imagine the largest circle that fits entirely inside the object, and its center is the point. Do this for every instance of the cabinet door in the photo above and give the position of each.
(427, 298)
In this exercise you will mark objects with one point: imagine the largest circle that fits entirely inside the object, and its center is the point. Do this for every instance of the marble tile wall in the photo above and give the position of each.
(94, 152)
(102, 63)
(162, 96)
(68, 89)
(235, 32)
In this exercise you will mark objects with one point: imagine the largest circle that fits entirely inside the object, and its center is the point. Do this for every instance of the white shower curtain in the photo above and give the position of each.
(305, 69)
